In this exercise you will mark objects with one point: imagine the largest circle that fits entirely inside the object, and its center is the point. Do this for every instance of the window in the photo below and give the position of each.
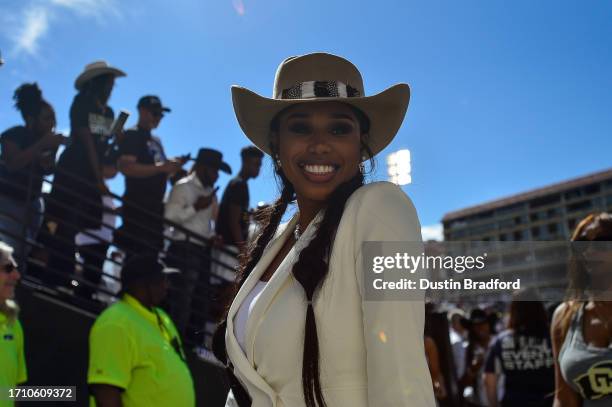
(580, 206)
(545, 200)
(592, 189)
(535, 232)
(552, 228)
(517, 235)
(574, 193)
(553, 213)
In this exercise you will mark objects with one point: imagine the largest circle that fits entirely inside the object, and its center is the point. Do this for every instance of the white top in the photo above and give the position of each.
(241, 318)
(105, 233)
(179, 208)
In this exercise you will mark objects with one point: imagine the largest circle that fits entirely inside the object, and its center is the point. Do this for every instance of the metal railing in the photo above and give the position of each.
(33, 253)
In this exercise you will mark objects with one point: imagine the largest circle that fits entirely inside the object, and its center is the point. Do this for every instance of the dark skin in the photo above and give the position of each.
(250, 169)
(325, 134)
(207, 176)
(150, 294)
(43, 126)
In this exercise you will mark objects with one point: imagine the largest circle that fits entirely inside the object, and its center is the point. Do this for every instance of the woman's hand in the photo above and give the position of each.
(53, 141)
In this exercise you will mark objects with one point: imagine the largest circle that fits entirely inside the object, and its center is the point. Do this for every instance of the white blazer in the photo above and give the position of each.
(371, 352)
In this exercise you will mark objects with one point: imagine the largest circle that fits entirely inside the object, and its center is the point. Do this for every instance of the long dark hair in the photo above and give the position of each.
(312, 265)
(29, 101)
(527, 314)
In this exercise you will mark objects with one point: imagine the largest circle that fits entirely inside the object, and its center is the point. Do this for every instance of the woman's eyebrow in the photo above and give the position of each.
(298, 116)
(342, 116)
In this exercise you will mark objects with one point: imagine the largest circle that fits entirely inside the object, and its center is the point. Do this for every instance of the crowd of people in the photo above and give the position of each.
(79, 214)
(293, 329)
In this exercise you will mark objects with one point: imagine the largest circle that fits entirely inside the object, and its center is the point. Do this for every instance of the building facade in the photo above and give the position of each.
(548, 213)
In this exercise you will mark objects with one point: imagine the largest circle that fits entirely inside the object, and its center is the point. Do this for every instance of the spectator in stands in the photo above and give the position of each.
(193, 205)
(136, 356)
(143, 162)
(456, 330)
(582, 325)
(523, 354)
(233, 227)
(12, 355)
(75, 202)
(28, 153)
(93, 244)
(470, 376)
(233, 222)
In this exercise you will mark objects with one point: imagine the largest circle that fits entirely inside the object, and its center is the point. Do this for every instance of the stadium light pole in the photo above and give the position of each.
(399, 168)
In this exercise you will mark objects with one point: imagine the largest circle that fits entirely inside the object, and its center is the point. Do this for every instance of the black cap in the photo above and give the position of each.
(143, 268)
(212, 158)
(152, 102)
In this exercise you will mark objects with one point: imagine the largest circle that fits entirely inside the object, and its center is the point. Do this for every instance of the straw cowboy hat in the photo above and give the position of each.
(94, 69)
(320, 77)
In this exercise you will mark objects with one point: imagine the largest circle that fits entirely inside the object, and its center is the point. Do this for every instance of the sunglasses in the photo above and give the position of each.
(9, 268)
(157, 114)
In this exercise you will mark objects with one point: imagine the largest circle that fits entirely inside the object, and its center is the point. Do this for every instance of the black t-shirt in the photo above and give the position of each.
(236, 193)
(144, 192)
(10, 182)
(528, 365)
(85, 112)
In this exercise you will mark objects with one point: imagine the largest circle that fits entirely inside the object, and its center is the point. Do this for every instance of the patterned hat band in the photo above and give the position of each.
(320, 89)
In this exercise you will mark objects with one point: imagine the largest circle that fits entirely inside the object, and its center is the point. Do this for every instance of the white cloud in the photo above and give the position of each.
(36, 24)
(433, 232)
(26, 27)
(90, 8)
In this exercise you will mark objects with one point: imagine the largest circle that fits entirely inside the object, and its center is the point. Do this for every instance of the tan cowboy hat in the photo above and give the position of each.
(321, 77)
(94, 69)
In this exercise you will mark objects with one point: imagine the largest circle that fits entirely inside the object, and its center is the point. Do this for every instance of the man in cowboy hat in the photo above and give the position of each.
(193, 205)
(146, 168)
(135, 347)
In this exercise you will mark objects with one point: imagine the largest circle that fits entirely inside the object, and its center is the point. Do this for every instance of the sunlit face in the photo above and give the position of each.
(45, 122)
(150, 118)
(319, 145)
(9, 276)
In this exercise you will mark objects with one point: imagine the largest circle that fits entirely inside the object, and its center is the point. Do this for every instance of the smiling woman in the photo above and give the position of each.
(297, 332)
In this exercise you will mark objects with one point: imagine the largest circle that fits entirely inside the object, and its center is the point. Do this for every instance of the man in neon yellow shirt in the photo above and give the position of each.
(136, 356)
(12, 358)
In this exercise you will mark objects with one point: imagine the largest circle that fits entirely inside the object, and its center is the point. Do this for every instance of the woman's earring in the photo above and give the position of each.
(361, 168)
(278, 162)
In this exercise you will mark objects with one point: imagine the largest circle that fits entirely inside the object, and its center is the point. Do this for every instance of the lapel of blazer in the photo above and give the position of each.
(276, 283)
(234, 351)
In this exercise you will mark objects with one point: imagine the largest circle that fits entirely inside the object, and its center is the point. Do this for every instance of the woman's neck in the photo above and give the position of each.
(308, 210)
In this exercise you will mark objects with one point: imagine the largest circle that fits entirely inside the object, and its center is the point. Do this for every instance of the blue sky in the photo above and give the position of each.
(506, 96)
